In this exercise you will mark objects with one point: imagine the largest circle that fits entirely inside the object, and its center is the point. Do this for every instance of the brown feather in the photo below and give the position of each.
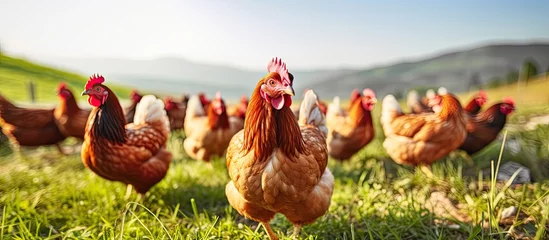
(265, 124)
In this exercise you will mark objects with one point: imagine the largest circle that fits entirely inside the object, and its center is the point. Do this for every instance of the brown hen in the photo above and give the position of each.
(134, 154)
(474, 106)
(486, 125)
(212, 132)
(70, 119)
(348, 134)
(29, 127)
(129, 112)
(421, 139)
(176, 113)
(276, 164)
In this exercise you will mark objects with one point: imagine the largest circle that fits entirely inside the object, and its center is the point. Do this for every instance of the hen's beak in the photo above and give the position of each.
(374, 100)
(289, 90)
(85, 92)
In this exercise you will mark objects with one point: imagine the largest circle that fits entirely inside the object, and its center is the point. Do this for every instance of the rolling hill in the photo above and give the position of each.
(177, 75)
(16, 74)
(452, 70)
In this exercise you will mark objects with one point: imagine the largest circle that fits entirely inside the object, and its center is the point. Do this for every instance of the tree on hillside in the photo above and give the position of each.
(474, 81)
(529, 69)
(512, 77)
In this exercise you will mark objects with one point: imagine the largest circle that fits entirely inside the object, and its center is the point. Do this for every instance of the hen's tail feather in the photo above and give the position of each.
(430, 94)
(389, 110)
(413, 96)
(310, 114)
(442, 91)
(194, 107)
(151, 110)
(334, 108)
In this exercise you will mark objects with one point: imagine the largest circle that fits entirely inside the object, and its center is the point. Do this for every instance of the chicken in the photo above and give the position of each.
(486, 126)
(277, 164)
(474, 106)
(421, 139)
(240, 110)
(176, 113)
(354, 95)
(135, 153)
(348, 134)
(29, 127)
(334, 109)
(204, 100)
(70, 119)
(212, 133)
(416, 104)
(129, 112)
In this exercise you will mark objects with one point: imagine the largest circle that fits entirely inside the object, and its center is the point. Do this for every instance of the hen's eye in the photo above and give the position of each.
(97, 89)
(271, 82)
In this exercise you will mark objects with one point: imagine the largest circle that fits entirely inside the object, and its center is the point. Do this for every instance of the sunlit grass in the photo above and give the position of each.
(50, 196)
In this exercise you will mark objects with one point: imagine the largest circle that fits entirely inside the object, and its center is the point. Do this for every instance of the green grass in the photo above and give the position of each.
(45, 196)
(16, 74)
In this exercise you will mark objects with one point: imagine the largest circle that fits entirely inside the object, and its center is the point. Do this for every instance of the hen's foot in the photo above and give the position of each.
(269, 230)
(297, 230)
(128, 192)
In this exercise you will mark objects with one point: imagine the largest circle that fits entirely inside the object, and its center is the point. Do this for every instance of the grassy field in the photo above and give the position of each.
(16, 75)
(48, 196)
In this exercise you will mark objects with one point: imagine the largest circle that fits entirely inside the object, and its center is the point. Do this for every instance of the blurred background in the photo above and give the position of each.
(172, 47)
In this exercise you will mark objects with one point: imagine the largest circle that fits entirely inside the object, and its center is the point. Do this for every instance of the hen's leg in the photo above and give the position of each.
(128, 192)
(250, 210)
(269, 230)
(297, 229)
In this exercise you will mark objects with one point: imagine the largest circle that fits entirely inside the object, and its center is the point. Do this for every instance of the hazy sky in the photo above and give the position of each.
(306, 33)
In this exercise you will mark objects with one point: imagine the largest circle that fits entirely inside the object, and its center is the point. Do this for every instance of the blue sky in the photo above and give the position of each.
(306, 34)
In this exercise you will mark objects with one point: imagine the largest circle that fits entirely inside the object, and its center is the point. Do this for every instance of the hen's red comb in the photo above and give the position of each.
(278, 66)
(168, 99)
(94, 79)
(509, 100)
(243, 98)
(482, 94)
(368, 92)
(62, 85)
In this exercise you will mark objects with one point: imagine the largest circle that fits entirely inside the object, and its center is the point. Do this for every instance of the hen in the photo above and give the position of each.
(176, 113)
(129, 112)
(70, 119)
(486, 126)
(421, 139)
(134, 154)
(212, 133)
(348, 134)
(240, 110)
(29, 127)
(277, 164)
(474, 106)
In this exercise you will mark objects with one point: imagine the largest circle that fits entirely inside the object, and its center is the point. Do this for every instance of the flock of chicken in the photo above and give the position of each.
(276, 158)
